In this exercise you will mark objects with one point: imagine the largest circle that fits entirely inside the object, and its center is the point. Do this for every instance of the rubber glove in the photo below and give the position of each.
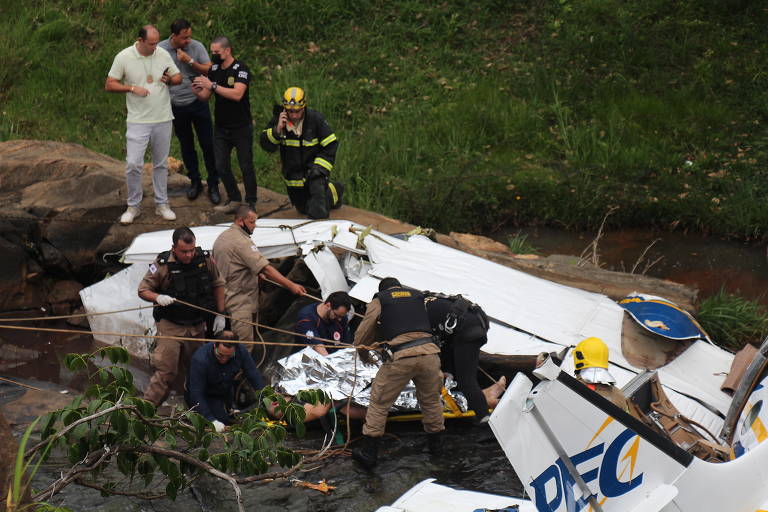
(219, 426)
(165, 300)
(219, 323)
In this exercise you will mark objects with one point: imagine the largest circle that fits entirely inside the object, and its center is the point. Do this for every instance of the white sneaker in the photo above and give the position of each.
(165, 212)
(129, 214)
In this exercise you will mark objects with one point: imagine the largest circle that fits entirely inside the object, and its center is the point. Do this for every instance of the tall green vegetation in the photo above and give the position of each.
(458, 115)
(733, 321)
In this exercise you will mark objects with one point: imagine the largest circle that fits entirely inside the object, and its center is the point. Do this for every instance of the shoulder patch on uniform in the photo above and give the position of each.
(152, 268)
(400, 295)
(236, 66)
(214, 67)
(336, 335)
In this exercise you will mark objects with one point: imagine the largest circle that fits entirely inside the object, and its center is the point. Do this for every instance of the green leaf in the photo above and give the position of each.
(80, 432)
(75, 362)
(126, 463)
(171, 489)
(75, 454)
(139, 430)
(170, 439)
(70, 417)
(119, 422)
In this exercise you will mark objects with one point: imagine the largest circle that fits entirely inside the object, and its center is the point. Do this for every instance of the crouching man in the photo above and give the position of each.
(211, 378)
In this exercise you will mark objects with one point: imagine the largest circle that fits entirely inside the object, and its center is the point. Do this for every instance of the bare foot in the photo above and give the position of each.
(493, 392)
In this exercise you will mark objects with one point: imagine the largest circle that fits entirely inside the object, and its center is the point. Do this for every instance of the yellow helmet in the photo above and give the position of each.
(293, 98)
(590, 353)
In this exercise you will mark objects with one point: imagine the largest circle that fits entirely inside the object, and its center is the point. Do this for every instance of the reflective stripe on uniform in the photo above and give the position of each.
(294, 183)
(291, 142)
(322, 162)
(271, 137)
(334, 194)
(328, 139)
(312, 142)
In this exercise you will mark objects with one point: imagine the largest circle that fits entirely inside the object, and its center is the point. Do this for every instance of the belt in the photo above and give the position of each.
(412, 343)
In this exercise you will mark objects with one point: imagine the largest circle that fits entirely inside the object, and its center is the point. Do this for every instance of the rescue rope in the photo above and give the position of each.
(179, 338)
(77, 315)
(316, 299)
(20, 384)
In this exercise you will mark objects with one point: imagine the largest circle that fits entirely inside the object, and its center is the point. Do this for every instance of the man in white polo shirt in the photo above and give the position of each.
(143, 75)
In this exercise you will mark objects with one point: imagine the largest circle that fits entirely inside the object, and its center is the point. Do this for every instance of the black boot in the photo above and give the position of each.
(367, 452)
(213, 194)
(435, 442)
(194, 190)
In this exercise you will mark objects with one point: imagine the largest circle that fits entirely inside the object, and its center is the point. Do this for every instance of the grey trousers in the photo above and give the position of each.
(138, 136)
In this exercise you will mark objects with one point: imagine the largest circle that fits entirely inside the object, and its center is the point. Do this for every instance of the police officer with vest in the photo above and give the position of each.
(410, 353)
(307, 151)
(187, 273)
(462, 326)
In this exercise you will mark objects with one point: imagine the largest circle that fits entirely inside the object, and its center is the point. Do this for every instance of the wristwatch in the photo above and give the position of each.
(214, 85)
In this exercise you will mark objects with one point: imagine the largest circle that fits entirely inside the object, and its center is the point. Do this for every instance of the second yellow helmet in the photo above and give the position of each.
(590, 353)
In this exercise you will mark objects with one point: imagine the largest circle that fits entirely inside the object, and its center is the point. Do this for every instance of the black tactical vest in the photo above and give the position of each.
(402, 311)
(190, 283)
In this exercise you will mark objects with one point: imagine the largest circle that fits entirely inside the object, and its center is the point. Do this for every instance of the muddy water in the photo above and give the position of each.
(469, 461)
(707, 263)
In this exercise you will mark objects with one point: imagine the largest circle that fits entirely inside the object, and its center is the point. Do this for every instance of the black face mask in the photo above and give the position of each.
(244, 228)
(216, 59)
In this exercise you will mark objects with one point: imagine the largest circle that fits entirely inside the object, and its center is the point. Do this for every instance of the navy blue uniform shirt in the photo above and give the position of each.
(208, 379)
(309, 323)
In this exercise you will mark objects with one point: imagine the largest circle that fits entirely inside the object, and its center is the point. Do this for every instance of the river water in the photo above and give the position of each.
(706, 262)
(470, 460)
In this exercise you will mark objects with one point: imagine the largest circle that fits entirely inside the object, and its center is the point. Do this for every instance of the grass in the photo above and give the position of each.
(457, 115)
(519, 244)
(733, 321)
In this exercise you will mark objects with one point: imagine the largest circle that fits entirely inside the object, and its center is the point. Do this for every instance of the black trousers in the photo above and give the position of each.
(461, 357)
(241, 139)
(317, 197)
(196, 116)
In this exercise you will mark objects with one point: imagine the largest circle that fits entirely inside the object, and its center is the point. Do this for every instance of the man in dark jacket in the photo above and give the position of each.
(307, 151)
(211, 379)
(462, 325)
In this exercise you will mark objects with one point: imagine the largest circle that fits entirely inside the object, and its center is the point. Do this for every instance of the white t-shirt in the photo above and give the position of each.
(132, 68)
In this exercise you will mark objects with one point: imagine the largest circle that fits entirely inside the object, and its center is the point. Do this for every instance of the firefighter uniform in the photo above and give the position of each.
(403, 320)
(193, 283)
(240, 262)
(306, 145)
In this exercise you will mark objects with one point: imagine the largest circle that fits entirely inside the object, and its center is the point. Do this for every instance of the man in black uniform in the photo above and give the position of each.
(188, 273)
(307, 151)
(462, 325)
(228, 80)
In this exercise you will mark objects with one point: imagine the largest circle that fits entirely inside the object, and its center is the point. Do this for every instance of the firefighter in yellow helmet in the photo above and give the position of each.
(590, 361)
(308, 153)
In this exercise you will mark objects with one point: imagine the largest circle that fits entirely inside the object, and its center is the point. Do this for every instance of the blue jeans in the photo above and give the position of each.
(197, 115)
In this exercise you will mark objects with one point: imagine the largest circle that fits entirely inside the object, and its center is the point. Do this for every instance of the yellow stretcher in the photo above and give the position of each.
(451, 411)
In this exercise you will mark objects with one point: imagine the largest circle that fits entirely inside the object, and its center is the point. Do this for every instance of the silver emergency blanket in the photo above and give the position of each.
(335, 374)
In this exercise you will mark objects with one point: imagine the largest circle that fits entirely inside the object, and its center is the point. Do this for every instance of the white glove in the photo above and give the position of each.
(219, 426)
(165, 300)
(219, 323)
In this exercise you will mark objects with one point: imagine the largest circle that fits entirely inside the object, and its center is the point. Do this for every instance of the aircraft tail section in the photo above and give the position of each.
(574, 450)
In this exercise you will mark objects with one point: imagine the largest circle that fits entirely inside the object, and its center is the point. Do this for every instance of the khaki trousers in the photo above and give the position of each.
(167, 354)
(243, 330)
(390, 380)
